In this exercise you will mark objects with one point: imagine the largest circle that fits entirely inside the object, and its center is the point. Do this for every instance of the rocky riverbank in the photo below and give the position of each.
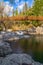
(9, 58)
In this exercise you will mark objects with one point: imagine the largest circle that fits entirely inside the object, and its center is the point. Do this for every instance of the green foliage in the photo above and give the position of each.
(26, 23)
(35, 10)
(38, 7)
(36, 23)
(16, 12)
(1, 28)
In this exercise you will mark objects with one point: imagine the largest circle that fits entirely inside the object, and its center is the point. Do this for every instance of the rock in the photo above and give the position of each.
(26, 64)
(8, 35)
(36, 63)
(19, 59)
(4, 48)
(1, 59)
(1, 36)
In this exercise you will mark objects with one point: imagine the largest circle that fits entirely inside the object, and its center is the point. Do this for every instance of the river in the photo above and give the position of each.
(32, 45)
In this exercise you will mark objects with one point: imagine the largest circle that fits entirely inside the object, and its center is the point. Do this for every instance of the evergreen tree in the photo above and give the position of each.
(38, 7)
(25, 8)
(16, 12)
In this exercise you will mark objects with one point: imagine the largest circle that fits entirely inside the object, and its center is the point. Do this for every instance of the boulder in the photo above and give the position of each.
(4, 48)
(17, 59)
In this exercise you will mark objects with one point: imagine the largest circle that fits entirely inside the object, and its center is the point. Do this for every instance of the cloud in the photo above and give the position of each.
(8, 9)
(7, 2)
(20, 6)
(16, 1)
(17, 4)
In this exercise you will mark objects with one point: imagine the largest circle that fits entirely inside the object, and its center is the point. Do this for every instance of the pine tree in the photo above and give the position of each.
(38, 7)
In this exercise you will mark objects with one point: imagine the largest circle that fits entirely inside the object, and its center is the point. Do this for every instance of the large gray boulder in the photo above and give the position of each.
(4, 48)
(36, 63)
(17, 59)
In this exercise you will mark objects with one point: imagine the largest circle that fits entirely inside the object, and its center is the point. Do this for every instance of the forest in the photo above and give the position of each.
(35, 10)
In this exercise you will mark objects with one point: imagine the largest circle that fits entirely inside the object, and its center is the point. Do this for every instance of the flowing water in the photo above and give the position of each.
(32, 45)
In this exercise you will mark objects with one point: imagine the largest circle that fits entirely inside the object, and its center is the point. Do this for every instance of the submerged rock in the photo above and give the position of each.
(4, 48)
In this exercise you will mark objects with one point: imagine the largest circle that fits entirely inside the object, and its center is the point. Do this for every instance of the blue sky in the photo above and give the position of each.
(19, 3)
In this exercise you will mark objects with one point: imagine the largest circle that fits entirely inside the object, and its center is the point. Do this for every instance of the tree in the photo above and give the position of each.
(4, 12)
(37, 11)
(38, 7)
(16, 11)
(25, 8)
(1, 8)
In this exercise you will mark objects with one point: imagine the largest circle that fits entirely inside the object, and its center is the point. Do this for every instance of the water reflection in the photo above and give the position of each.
(33, 46)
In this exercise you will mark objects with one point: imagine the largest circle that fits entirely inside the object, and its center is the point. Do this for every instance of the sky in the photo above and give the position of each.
(20, 3)
(16, 4)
